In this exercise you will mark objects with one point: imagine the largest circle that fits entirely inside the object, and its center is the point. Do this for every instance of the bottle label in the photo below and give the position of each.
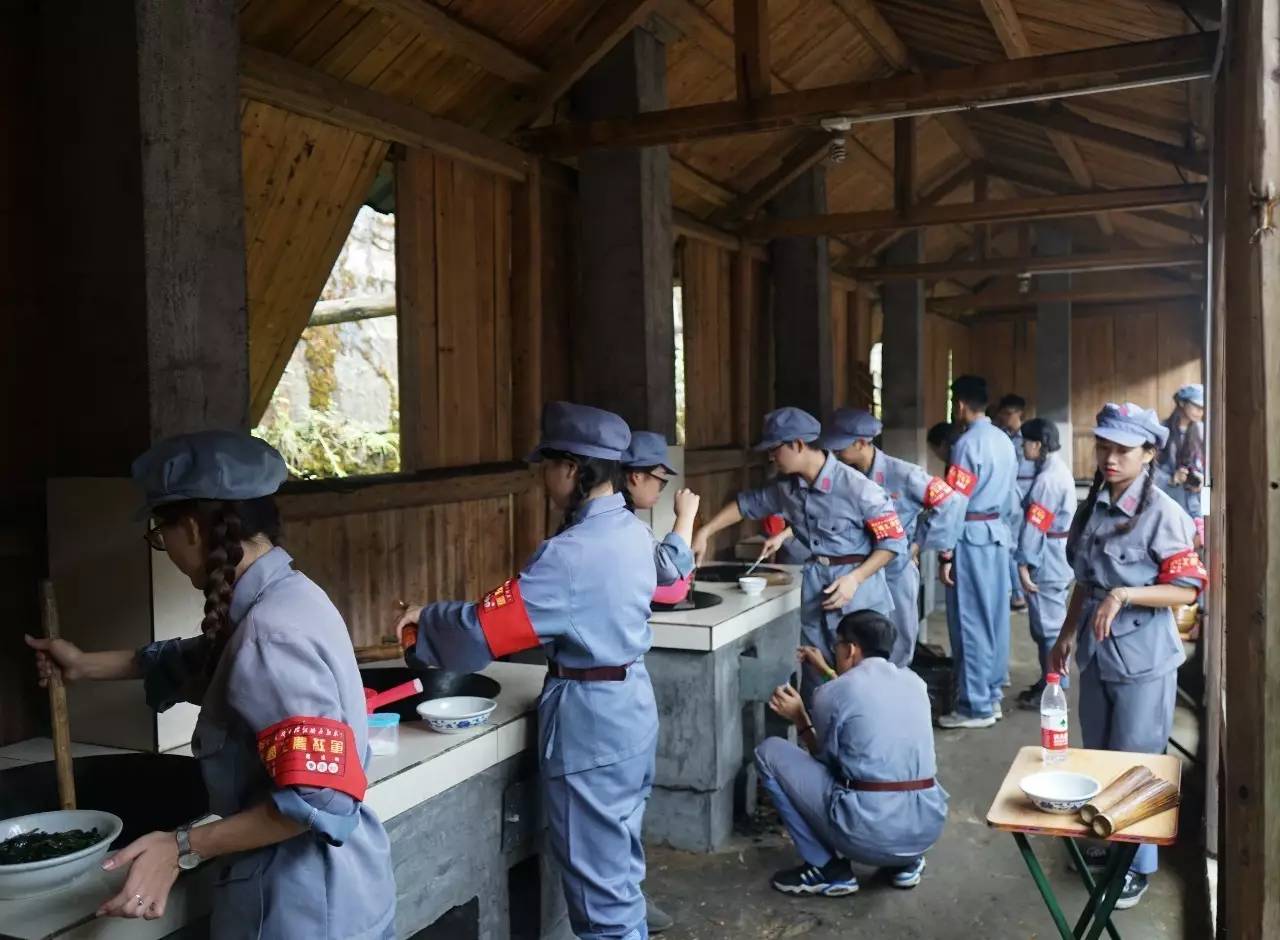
(1053, 732)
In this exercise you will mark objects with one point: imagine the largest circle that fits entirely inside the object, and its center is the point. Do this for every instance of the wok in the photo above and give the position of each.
(436, 683)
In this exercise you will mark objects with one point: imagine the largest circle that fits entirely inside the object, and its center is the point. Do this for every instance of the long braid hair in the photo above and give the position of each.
(1091, 501)
(225, 525)
(592, 471)
(1045, 433)
(625, 473)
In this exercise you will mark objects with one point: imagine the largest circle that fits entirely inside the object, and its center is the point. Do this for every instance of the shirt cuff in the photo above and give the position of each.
(328, 813)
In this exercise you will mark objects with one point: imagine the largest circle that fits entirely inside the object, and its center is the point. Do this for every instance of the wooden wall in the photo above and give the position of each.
(943, 338)
(709, 367)
(304, 181)
(1140, 352)
(453, 277)
(1003, 352)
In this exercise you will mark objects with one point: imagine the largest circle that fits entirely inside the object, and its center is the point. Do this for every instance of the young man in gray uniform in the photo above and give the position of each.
(863, 789)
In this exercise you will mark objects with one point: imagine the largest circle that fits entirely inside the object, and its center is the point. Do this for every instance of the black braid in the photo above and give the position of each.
(592, 471)
(1077, 524)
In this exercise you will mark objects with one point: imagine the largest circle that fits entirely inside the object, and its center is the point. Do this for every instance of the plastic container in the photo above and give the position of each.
(1053, 721)
(384, 733)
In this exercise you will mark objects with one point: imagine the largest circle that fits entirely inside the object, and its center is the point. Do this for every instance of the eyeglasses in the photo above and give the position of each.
(154, 537)
(662, 481)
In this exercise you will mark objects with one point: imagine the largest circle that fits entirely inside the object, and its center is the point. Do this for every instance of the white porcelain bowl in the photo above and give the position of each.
(456, 712)
(752, 585)
(1059, 791)
(30, 879)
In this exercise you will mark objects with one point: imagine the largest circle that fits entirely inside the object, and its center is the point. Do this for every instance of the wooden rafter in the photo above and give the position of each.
(805, 155)
(996, 210)
(987, 85)
(954, 178)
(443, 27)
(612, 21)
(286, 84)
(1005, 299)
(1056, 118)
(1120, 259)
(751, 48)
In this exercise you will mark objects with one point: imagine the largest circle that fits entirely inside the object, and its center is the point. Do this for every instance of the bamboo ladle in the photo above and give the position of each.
(58, 705)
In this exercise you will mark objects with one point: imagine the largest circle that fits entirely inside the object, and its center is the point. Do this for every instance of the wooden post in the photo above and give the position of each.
(625, 329)
(802, 303)
(529, 515)
(1053, 342)
(1250, 873)
(902, 356)
(742, 315)
(751, 47)
(904, 163)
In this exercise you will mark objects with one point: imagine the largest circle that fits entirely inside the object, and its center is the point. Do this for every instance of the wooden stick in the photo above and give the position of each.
(1151, 798)
(58, 705)
(1114, 792)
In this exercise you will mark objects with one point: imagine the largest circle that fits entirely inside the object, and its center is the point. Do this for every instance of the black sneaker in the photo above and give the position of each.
(1095, 857)
(1135, 886)
(1029, 699)
(656, 918)
(834, 879)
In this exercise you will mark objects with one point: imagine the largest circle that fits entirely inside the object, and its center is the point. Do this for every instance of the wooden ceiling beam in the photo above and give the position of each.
(1125, 259)
(989, 84)
(952, 179)
(612, 21)
(805, 155)
(286, 84)
(436, 24)
(751, 48)
(1118, 294)
(1001, 210)
(1056, 118)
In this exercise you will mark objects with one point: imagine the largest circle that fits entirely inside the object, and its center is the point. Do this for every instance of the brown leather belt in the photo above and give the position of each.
(886, 786)
(839, 559)
(1057, 535)
(981, 516)
(594, 674)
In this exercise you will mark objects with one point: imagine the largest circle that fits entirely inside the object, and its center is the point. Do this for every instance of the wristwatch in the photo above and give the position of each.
(187, 859)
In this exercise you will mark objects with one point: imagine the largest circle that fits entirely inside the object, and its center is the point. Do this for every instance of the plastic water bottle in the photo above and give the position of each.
(1053, 721)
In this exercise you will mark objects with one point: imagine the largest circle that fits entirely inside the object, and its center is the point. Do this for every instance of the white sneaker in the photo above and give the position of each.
(955, 720)
(997, 712)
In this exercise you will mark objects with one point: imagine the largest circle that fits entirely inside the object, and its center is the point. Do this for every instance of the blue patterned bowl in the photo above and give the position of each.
(456, 713)
(1059, 791)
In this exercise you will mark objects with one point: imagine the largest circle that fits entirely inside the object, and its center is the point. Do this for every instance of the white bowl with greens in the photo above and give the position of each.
(45, 852)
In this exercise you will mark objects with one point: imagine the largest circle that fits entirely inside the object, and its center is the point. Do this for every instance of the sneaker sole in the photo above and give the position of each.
(911, 883)
(1125, 903)
(826, 891)
(979, 723)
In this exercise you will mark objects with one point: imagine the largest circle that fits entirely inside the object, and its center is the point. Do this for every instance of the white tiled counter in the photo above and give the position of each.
(427, 765)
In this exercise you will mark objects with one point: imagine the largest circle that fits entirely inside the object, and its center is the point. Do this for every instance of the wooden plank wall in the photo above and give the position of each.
(1139, 353)
(708, 344)
(1003, 352)
(304, 181)
(942, 338)
(559, 287)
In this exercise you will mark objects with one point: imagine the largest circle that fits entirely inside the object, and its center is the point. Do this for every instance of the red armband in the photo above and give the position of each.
(1039, 517)
(885, 527)
(936, 493)
(961, 479)
(505, 621)
(1185, 564)
(313, 752)
(773, 525)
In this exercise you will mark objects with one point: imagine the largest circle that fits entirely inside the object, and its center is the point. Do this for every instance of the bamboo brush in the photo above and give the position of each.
(1151, 798)
(1115, 791)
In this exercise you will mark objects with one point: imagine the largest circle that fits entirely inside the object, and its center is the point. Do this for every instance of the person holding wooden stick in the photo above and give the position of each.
(584, 598)
(1132, 549)
(281, 738)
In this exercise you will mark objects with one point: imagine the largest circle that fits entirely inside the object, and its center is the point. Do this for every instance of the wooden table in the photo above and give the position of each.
(1013, 812)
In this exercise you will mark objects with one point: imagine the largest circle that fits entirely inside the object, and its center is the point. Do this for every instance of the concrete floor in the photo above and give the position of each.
(976, 884)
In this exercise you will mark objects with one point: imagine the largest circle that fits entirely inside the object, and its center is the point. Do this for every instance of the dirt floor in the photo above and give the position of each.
(976, 884)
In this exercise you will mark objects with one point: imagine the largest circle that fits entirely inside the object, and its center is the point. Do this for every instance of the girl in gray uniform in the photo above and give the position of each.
(1132, 549)
(282, 736)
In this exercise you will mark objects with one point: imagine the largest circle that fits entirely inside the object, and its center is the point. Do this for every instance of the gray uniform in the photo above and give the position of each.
(287, 675)
(873, 724)
(1128, 682)
(1042, 547)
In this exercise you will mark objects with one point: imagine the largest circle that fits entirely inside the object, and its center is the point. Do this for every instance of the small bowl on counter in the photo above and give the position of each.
(456, 713)
(1059, 791)
(32, 879)
(751, 586)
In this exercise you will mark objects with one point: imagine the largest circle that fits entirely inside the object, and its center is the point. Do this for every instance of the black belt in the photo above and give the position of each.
(886, 786)
(981, 516)
(1057, 535)
(839, 559)
(594, 674)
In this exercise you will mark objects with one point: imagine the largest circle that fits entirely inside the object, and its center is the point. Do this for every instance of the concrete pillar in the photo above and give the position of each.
(140, 104)
(902, 355)
(1053, 341)
(801, 272)
(624, 333)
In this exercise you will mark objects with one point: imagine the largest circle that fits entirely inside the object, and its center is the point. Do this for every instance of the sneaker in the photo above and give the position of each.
(1029, 699)
(956, 720)
(1135, 886)
(834, 879)
(1095, 858)
(997, 711)
(910, 876)
(656, 918)
(1018, 605)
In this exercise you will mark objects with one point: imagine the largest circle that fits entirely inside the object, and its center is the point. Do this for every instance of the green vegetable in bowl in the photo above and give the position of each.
(38, 846)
